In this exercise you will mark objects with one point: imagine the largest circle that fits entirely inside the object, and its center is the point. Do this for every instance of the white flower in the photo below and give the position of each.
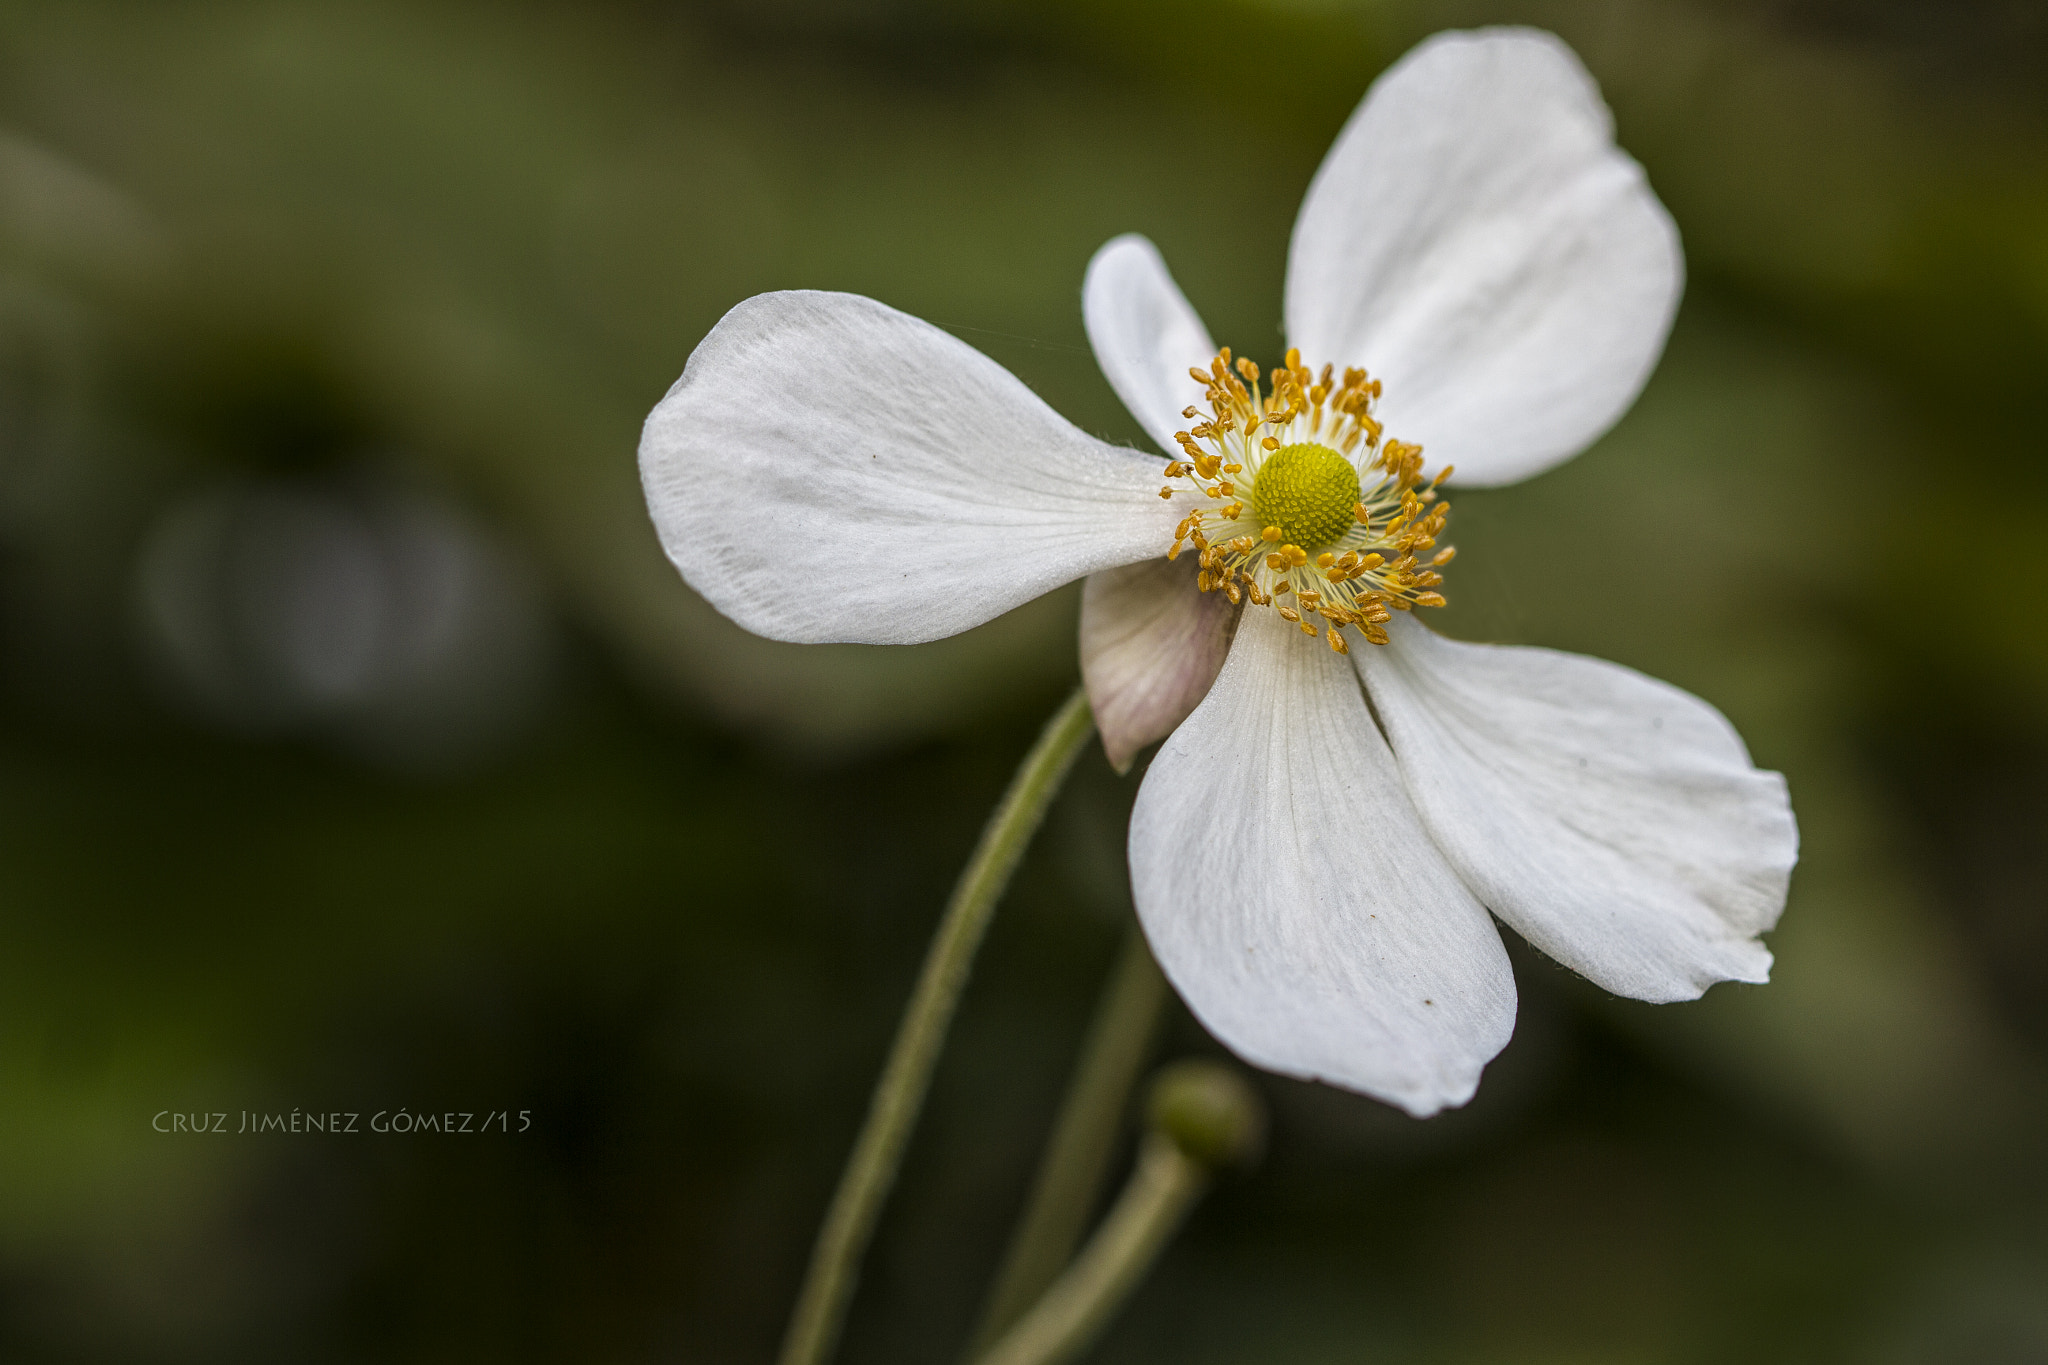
(1314, 860)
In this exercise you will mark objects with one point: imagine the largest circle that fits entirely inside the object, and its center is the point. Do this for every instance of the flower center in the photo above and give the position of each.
(1296, 527)
(1308, 491)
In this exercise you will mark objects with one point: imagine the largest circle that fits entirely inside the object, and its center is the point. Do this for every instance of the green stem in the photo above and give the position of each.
(1076, 1161)
(1164, 1187)
(899, 1094)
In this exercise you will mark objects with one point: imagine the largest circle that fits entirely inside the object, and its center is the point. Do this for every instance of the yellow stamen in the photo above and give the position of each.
(1316, 489)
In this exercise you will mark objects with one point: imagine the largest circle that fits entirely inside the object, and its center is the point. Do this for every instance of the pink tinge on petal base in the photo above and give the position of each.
(1150, 647)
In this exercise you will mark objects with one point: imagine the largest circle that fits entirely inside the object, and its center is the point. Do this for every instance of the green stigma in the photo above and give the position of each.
(1309, 491)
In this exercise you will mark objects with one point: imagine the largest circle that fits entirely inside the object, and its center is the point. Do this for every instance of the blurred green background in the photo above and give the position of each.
(359, 751)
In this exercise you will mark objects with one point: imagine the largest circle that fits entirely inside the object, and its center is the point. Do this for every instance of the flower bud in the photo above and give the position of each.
(1209, 1111)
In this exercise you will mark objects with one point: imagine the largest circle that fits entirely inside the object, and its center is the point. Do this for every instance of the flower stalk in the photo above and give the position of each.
(906, 1077)
(1164, 1187)
(1203, 1117)
(1076, 1162)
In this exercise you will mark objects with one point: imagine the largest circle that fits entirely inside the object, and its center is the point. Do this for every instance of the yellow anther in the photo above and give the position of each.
(1322, 457)
(1445, 555)
(1166, 492)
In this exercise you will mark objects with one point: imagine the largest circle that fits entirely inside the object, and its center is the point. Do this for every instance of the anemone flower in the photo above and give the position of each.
(1485, 281)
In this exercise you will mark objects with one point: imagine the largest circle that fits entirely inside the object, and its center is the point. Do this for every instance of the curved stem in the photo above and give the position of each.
(1083, 1138)
(899, 1094)
(1164, 1187)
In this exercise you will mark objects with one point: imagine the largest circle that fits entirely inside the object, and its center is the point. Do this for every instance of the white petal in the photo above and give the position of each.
(1146, 335)
(1151, 644)
(829, 469)
(1612, 820)
(1295, 900)
(1476, 240)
